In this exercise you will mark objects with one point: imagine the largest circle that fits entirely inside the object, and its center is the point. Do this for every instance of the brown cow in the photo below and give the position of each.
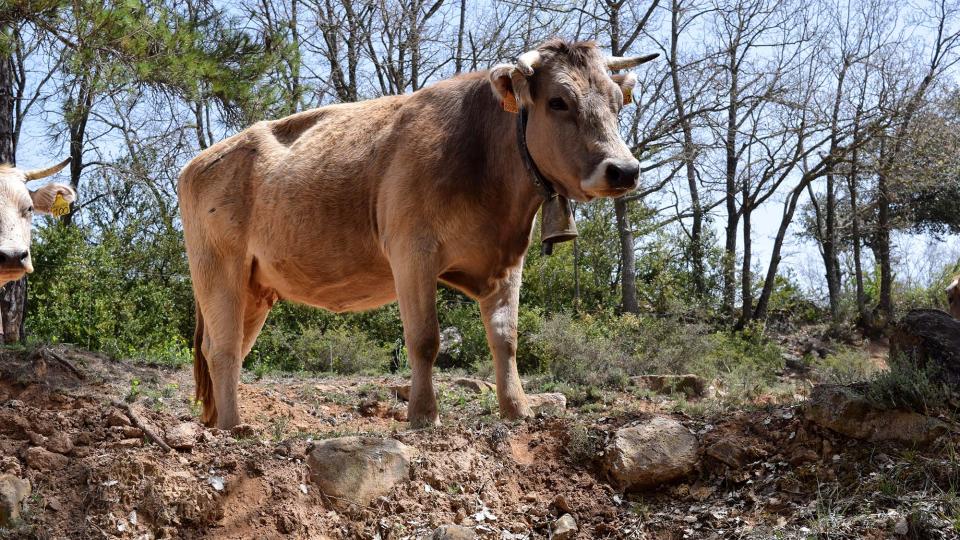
(953, 297)
(352, 206)
(17, 205)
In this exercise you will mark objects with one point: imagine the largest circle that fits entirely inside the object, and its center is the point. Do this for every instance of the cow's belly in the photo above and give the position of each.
(334, 277)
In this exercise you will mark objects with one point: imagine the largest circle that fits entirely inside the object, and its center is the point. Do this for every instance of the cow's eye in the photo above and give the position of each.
(27, 211)
(558, 104)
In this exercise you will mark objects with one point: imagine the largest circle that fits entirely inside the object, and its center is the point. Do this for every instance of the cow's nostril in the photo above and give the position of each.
(623, 174)
(23, 256)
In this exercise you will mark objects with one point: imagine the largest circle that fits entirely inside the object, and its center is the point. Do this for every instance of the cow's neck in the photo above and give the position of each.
(504, 174)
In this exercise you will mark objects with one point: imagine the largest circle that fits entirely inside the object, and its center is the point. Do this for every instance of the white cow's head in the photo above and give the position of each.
(17, 206)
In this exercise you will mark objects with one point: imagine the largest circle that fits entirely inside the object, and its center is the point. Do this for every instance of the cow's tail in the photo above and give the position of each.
(201, 375)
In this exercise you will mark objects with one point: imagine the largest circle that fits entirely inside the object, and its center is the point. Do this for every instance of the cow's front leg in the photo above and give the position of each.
(499, 311)
(416, 283)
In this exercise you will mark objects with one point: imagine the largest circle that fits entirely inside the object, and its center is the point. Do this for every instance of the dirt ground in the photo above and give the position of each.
(764, 472)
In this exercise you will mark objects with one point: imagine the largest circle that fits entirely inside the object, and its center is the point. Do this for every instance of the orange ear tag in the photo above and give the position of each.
(60, 206)
(627, 96)
(509, 104)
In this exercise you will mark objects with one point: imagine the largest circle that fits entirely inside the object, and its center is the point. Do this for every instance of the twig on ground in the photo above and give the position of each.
(140, 424)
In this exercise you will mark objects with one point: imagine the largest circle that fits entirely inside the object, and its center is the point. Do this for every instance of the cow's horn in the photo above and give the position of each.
(627, 62)
(37, 174)
(527, 61)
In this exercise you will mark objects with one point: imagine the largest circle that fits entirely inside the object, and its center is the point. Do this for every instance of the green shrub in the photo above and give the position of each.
(119, 295)
(848, 366)
(746, 362)
(340, 350)
(905, 385)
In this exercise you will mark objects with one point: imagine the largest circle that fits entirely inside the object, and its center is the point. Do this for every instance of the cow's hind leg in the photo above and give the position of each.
(416, 283)
(222, 296)
(499, 312)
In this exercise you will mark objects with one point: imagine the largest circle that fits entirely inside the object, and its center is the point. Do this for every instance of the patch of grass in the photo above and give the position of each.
(278, 427)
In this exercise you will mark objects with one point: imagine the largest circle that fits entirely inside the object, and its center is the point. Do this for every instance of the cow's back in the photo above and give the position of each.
(299, 196)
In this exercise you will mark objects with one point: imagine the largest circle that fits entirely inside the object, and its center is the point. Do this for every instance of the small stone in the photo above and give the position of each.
(453, 532)
(127, 443)
(184, 436)
(243, 431)
(475, 385)
(117, 418)
(42, 459)
(402, 391)
(59, 442)
(901, 528)
(564, 528)
(132, 432)
(561, 504)
(13, 491)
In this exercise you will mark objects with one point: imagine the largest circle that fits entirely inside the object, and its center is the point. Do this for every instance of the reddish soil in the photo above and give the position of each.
(764, 472)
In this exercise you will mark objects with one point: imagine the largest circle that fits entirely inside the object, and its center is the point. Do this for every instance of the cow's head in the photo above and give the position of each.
(953, 297)
(573, 103)
(17, 206)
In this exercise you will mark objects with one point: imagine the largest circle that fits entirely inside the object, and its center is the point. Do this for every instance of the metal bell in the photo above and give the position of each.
(557, 223)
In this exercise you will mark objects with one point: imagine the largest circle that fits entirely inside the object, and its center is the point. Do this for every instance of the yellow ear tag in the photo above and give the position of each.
(60, 206)
(627, 96)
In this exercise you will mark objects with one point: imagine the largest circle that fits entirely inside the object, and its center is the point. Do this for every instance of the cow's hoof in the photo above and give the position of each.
(518, 413)
(424, 421)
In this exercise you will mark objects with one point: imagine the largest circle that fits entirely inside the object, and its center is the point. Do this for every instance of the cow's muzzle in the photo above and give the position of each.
(15, 260)
(622, 173)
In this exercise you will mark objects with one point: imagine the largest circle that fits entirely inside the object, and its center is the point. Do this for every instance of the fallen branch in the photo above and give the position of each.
(47, 354)
(143, 427)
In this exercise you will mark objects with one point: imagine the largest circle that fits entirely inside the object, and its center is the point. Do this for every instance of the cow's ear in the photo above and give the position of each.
(501, 79)
(626, 82)
(44, 197)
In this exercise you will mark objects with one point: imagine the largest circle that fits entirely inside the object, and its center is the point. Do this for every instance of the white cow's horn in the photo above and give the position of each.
(627, 62)
(36, 174)
(527, 61)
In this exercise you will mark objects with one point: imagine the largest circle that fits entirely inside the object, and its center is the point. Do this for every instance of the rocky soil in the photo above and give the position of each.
(97, 448)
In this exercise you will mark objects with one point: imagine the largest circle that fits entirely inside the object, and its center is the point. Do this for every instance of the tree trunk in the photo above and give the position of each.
(13, 296)
(790, 207)
(863, 315)
(689, 154)
(730, 143)
(628, 261)
(746, 276)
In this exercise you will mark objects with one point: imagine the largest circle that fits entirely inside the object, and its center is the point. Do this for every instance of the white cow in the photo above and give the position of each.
(17, 206)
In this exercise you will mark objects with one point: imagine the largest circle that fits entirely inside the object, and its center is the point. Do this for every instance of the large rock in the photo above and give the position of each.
(13, 491)
(928, 337)
(184, 436)
(693, 386)
(358, 469)
(550, 401)
(644, 456)
(846, 411)
(475, 385)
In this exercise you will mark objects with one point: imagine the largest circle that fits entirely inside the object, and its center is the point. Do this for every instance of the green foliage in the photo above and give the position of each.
(746, 362)
(338, 349)
(121, 295)
(848, 366)
(907, 386)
